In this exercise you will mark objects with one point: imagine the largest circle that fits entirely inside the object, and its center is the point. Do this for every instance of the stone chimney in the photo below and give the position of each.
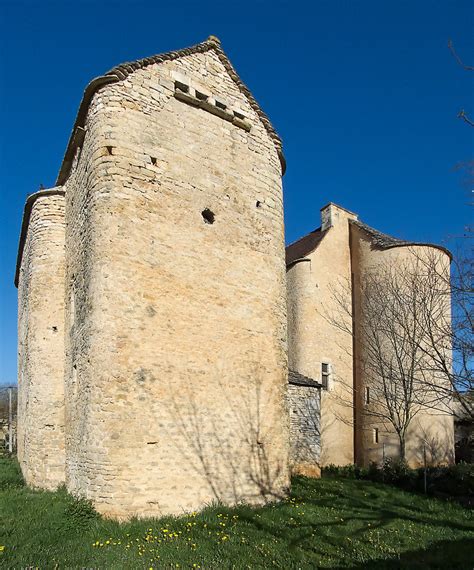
(332, 215)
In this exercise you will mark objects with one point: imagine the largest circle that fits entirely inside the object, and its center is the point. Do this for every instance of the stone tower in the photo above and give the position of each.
(174, 358)
(328, 342)
(375, 258)
(315, 265)
(40, 282)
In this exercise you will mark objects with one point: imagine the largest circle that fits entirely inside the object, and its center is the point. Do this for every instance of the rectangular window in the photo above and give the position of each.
(325, 375)
(201, 96)
(376, 435)
(181, 87)
(367, 395)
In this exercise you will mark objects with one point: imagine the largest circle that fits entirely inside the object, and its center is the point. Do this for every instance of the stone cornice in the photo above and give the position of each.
(30, 201)
(122, 71)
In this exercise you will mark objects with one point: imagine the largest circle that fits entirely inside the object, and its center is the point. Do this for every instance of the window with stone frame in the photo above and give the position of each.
(325, 373)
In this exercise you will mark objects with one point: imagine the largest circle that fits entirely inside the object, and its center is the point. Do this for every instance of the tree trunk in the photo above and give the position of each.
(402, 447)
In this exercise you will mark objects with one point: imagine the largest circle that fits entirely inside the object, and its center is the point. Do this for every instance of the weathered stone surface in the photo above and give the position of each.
(41, 343)
(305, 421)
(176, 363)
(153, 309)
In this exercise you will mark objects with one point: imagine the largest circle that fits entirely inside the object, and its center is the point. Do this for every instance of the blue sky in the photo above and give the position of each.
(363, 93)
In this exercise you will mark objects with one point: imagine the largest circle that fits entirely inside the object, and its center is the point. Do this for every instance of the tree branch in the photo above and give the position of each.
(457, 58)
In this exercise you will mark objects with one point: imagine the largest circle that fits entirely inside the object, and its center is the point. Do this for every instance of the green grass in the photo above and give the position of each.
(327, 523)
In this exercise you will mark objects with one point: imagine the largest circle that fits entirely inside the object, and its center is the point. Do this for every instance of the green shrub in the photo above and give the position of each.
(454, 480)
(396, 472)
(350, 471)
(79, 513)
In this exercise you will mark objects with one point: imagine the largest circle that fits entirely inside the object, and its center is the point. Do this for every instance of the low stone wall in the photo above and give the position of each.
(304, 401)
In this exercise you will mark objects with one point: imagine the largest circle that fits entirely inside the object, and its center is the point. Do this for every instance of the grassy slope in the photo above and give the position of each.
(326, 523)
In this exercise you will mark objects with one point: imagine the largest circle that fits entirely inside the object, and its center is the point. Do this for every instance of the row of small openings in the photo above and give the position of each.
(181, 87)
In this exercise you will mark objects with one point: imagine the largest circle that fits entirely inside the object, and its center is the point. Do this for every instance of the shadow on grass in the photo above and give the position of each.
(444, 554)
(328, 523)
(381, 509)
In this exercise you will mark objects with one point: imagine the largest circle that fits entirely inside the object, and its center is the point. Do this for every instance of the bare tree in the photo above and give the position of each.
(394, 361)
(461, 376)
(401, 319)
(448, 343)
(462, 114)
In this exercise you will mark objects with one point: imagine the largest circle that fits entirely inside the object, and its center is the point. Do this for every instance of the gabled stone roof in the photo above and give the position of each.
(299, 249)
(298, 379)
(122, 71)
(384, 241)
(380, 239)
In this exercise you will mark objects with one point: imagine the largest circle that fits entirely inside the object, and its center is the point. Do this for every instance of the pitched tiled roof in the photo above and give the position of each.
(304, 246)
(123, 70)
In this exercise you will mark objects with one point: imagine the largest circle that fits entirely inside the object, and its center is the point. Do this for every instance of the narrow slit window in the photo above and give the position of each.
(376, 435)
(367, 395)
(325, 375)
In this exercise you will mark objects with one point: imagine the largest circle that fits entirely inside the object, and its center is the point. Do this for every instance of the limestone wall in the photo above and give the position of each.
(41, 342)
(176, 362)
(315, 337)
(305, 448)
(432, 427)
